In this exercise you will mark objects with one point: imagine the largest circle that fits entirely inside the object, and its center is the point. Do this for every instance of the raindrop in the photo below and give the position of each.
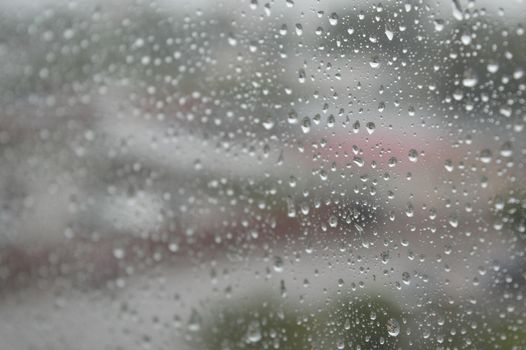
(439, 25)
(268, 123)
(485, 156)
(389, 31)
(306, 125)
(413, 155)
(457, 10)
(254, 332)
(406, 278)
(333, 221)
(299, 29)
(370, 127)
(393, 327)
(232, 41)
(392, 162)
(492, 67)
(470, 79)
(453, 220)
(194, 322)
(374, 63)
(356, 127)
(292, 117)
(333, 19)
(301, 75)
(448, 164)
(278, 264)
(358, 161)
(506, 150)
(466, 38)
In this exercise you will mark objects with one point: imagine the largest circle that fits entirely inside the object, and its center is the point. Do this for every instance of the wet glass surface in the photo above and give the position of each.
(262, 174)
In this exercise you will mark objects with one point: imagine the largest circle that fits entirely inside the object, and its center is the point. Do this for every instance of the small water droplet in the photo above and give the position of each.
(370, 127)
(278, 264)
(389, 32)
(439, 25)
(448, 164)
(492, 67)
(406, 278)
(299, 29)
(375, 62)
(413, 155)
(301, 75)
(118, 253)
(485, 156)
(194, 322)
(457, 10)
(232, 41)
(506, 150)
(470, 79)
(333, 221)
(333, 19)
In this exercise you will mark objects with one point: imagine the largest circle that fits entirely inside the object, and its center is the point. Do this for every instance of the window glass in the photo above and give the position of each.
(262, 174)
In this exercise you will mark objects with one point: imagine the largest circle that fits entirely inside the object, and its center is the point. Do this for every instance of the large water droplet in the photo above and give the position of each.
(393, 327)
(254, 332)
(333, 19)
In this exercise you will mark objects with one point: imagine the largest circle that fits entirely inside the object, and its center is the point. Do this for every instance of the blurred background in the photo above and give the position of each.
(262, 174)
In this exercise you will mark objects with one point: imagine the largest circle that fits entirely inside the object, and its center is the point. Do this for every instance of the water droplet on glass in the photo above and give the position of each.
(439, 25)
(232, 41)
(299, 29)
(292, 117)
(278, 264)
(333, 221)
(370, 127)
(118, 253)
(506, 150)
(492, 67)
(374, 63)
(448, 164)
(470, 79)
(358, 161)
(194, 322)
(465, 38)
(413, 155)
(347, 324)
(457, 10)
(485, 156)
(254, 332)
(301, 75)
(305, 125)
(406, 278)
(453, 220)
(389, 32)
(333, 19)
(393, 327)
